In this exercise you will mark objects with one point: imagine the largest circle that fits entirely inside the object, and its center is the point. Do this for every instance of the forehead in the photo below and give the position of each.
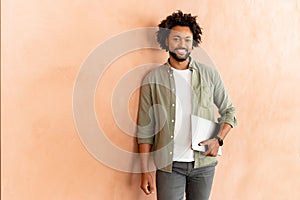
(183, 31)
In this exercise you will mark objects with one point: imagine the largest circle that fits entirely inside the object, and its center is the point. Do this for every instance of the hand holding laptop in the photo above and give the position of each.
(202, 131)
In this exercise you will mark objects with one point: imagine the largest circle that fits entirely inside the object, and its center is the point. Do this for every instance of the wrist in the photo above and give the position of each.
(219, 140)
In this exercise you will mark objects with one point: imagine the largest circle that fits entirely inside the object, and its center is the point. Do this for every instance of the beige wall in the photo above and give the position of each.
(254, 43)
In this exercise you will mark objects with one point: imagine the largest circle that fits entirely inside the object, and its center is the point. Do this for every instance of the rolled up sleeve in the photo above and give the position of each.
(145, 121)
(222, 100)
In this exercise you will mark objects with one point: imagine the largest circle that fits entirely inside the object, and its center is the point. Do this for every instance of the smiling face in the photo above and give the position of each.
(180, 42)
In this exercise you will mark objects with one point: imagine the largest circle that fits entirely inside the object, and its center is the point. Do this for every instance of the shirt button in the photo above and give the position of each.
(172, 136)
(173, 104)
(172, 120)
(171, 153)
(171, 75)
(173, 89)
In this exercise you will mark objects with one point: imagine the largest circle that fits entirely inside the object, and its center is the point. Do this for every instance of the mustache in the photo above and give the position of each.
(180, 49)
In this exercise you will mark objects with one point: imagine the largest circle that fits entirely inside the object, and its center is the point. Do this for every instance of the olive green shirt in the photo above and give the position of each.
(156, 114)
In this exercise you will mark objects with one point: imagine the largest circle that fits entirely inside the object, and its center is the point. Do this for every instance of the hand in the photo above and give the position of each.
(147, 183)
(213, 147)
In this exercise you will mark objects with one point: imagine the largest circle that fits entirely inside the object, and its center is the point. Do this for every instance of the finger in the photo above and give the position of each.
(210, 153)
(206, 153)
(151, 188)
(203, 143)
(145, 189)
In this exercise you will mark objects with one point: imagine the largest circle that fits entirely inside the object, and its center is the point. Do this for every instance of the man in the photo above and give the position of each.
(170, 94)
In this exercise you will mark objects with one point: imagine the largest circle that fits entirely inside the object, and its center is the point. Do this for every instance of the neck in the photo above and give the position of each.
(179, 65)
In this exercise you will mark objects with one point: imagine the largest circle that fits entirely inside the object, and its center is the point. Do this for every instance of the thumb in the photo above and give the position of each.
(203, 143)
(151, 187)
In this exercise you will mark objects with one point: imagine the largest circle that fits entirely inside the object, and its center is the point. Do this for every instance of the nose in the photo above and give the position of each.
(181, 42)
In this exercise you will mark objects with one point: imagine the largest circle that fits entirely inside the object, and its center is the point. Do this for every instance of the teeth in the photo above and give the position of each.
(181, 51)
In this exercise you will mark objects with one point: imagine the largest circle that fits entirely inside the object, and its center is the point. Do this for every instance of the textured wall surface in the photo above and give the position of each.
(255, 45)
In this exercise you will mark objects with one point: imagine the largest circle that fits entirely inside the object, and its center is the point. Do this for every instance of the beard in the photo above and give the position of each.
(187, 55)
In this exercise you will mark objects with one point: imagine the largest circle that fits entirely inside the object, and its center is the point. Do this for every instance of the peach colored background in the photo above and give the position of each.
(254, 43)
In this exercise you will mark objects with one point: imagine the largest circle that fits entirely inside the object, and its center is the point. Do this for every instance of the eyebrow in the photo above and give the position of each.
(180, 36)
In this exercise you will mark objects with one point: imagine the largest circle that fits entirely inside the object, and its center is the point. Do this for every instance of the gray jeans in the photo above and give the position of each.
(194, 183)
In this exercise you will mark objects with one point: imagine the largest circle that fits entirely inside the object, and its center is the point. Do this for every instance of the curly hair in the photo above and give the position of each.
(178, 19)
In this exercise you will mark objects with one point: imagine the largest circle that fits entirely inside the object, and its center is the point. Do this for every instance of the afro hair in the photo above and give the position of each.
(178, 19)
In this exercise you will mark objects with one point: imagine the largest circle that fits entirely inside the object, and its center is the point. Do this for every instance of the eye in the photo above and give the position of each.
(189, 40)
(176, 39)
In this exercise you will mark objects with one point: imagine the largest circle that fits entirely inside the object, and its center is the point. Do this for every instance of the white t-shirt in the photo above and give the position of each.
(182, 134)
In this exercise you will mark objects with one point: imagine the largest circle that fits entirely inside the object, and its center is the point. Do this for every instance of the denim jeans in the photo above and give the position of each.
(194, 183)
